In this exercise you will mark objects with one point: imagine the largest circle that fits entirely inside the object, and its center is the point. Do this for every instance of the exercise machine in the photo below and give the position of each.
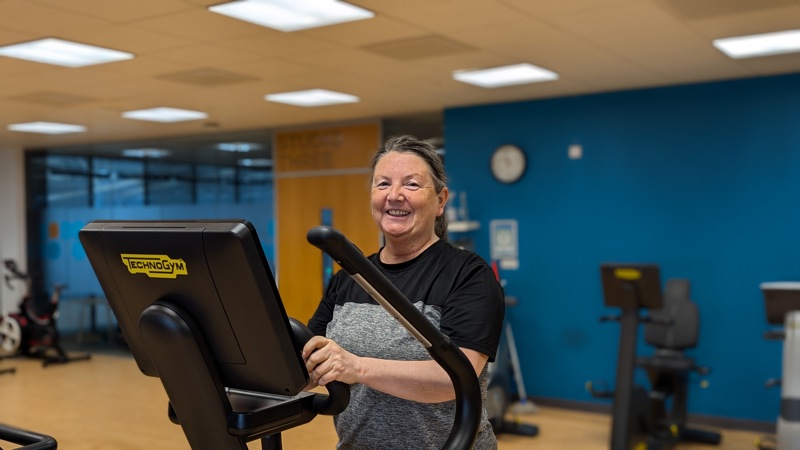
(782, 305)
(499, 401)
(32, 331)
(654, 418)
(200, 310)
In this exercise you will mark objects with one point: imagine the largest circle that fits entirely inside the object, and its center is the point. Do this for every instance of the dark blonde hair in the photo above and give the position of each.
(426, 151)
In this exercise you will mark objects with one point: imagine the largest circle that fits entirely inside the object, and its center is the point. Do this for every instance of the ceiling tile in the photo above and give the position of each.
(200, 25)
(43, 21)
(364, 32)
(117, 11)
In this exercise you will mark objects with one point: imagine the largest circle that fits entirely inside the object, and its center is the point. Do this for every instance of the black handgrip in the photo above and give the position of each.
(775, 335)
(29, 439)
(610, 319)
(439, 346)
(338, 393)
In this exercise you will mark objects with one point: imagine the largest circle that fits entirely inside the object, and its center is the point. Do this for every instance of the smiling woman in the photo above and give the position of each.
(400, 397)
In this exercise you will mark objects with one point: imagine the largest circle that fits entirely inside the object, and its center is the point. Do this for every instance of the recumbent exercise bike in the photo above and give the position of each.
(654, 418)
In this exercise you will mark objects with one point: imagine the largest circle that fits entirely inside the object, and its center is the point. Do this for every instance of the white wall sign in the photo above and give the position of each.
(504, 244)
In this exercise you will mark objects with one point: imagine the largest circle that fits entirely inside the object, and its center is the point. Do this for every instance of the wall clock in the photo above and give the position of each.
(508, 163)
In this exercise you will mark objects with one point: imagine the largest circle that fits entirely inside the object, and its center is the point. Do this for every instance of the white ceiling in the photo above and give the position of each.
(399, 62)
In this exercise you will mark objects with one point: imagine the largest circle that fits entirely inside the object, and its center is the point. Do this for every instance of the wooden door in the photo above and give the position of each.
(318, 169)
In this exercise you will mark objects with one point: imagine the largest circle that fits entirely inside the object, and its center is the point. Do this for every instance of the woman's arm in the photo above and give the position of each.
(420, 381)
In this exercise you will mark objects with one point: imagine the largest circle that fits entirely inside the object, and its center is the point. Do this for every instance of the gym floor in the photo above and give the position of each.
(106, 403)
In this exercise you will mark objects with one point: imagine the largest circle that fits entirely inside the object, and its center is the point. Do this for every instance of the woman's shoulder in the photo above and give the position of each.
(451, 251)
(458, 260)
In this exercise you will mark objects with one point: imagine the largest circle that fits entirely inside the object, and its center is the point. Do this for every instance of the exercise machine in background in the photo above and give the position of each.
(32, 331)
(200, 310)
(503, 410)
(782, 305)
(654, 418)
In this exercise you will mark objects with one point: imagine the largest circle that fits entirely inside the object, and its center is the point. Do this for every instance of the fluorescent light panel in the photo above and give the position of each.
(46, 128)
(255, 162)
(238, 147)
(505, 76)
(760, 44)
(146, 152)
(63, 53)
(312, 97)
(292, 15)
(164, 114)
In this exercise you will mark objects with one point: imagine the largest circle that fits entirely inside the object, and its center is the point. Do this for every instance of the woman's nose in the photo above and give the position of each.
(395, 193)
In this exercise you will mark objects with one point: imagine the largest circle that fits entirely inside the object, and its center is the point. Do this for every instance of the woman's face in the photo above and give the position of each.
(404, 198)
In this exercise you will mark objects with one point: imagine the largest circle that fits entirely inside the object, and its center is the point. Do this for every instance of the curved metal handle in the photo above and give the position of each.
(29, 439)
(439, 346)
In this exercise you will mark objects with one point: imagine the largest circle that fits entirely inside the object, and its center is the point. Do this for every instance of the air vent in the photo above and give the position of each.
(51, 98)
(206, 76)
(418, 48)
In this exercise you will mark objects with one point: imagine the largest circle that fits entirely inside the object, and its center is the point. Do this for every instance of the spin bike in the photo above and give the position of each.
(32, 330)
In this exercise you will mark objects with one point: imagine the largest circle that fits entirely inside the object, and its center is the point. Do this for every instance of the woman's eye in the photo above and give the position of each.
(382, 184)
(412, 185)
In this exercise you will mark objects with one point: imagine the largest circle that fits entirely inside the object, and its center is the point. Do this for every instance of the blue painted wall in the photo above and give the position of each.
(703, 180)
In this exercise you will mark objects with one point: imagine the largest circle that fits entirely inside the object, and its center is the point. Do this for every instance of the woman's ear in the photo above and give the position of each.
(443, 196)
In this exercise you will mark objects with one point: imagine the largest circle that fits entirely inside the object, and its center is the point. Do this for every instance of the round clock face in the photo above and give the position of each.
(508, 163)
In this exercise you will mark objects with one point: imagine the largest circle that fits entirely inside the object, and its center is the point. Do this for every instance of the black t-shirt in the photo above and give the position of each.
(455, 288)
(456, 291)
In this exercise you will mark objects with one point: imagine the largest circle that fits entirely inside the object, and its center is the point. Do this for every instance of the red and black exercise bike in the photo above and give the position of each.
(31, 331)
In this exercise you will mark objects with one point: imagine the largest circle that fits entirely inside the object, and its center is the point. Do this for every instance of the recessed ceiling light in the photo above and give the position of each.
(46, 128)
(238, 147)
(312, 97)
(164, 114)
(505, 76)
(760, 44)
(292, 15)
(63, 53)
(146, 152)
(255, 162)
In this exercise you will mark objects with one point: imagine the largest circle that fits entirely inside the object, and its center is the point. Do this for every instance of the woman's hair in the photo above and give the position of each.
(426, 151)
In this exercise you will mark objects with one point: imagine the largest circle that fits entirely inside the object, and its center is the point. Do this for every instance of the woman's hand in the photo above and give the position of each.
(421, 381)
(326, 361)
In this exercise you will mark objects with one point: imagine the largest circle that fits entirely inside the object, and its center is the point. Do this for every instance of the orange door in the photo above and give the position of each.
(325, 168)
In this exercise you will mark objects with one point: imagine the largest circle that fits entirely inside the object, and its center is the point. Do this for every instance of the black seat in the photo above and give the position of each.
(672, 330)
